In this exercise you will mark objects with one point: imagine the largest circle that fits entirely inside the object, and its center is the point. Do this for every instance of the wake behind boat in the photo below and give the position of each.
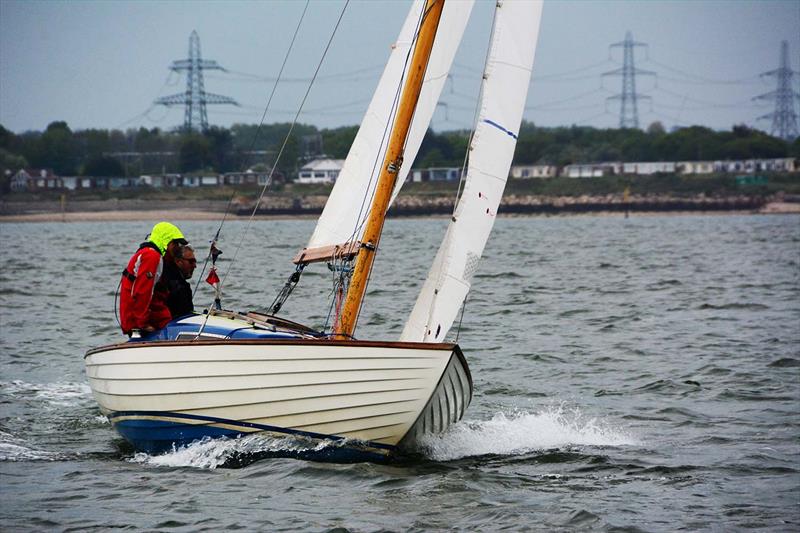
(228, 374)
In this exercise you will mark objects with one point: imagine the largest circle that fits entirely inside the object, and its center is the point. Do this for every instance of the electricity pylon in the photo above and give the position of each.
(628, 111)
(195, 98)
(784, 119)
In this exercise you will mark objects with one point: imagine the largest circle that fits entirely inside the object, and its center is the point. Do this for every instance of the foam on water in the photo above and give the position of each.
(60, 394)
(14, 449)
(522, 432)
(212, 453)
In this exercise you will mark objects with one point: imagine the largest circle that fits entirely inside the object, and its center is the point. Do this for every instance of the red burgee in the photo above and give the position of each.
(212, 278)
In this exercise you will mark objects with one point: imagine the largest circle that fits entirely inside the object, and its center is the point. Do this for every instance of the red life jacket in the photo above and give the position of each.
(137, 308)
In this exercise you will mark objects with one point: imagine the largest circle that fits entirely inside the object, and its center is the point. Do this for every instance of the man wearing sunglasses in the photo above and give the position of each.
(178, 267)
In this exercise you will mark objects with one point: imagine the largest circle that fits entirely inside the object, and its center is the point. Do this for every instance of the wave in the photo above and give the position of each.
(736, 306)
(60, 394)
(211, 453)
(521, 432)
(13, 449)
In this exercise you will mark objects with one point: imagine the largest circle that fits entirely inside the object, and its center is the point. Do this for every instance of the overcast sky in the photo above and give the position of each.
(100, 64)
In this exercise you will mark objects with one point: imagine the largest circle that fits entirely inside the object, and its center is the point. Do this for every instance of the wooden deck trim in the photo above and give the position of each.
(326, 253)
(281, 342)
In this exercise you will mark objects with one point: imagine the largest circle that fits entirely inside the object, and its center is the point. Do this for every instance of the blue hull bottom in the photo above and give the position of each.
(149, 432)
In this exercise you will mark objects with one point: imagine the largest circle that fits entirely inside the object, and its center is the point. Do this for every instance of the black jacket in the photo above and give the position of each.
(179, 299)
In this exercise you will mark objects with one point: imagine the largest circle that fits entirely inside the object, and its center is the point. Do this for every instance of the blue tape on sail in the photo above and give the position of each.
(499, 127)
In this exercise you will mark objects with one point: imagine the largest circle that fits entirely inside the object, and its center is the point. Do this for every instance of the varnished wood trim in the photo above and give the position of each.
(285, 342)
(326, 253)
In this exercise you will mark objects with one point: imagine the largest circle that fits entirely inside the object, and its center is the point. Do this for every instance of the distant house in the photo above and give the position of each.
(784, 164)
(695, 167)
(252, 177)
(71, 182)
(436, 174)
(85, 182)
(31, 179)
(649, 167)
(122, 182)
(241, 178)
(152, 181)
(320, 171)
(590, 170)
(533, 171)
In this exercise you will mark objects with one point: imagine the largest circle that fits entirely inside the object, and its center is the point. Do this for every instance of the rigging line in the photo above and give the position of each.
(464, 169)
(467, 68)
(274, 88)
(460, 320)
(346, 75)
(272, 170)
(408, 132)
(384, 138)
(285, 142)
(475, 118)
(116, 296)
(252, 144)
(214, 241)
(368, 198)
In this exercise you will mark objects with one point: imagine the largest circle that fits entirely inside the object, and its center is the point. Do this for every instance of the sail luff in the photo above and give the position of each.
(343, 219)
(504, 92)
(390, 168)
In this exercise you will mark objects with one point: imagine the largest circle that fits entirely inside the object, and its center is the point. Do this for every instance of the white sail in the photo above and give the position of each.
(349, 201)
(505, 88)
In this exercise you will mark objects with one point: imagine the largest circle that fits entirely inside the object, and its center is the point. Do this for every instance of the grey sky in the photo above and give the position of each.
(101, 64)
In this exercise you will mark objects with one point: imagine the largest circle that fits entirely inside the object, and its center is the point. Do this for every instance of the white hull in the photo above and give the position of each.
(371, 392)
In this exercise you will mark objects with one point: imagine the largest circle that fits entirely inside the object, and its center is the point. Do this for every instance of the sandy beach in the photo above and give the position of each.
(195, 214)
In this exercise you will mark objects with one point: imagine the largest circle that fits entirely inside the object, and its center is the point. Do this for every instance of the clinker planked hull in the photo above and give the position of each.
(365, 396)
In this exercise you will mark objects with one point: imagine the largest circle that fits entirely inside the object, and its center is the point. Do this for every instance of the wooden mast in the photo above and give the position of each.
(390, 169)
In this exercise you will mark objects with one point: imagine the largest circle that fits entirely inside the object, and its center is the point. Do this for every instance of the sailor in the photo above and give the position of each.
(139, 311)
(179, 265)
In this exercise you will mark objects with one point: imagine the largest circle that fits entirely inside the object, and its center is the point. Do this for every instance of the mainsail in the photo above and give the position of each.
(348, 203)
(505, 88)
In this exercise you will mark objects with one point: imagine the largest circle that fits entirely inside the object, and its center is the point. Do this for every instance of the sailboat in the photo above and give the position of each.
(228, 374)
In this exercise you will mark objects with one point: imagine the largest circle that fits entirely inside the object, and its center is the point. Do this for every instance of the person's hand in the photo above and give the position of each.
(148, 329)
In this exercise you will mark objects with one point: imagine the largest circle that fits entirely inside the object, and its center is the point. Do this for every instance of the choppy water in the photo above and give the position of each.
(630, 375)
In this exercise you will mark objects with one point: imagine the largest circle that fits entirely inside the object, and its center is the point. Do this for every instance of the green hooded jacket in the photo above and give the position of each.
(162, 234)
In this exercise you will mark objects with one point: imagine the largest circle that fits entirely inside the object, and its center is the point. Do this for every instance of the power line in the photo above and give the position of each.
(784, 118)
(195, 98)
(628, 111)
(700, 80)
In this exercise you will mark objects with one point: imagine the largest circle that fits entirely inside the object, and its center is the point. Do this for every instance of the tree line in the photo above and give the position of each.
(100, 152)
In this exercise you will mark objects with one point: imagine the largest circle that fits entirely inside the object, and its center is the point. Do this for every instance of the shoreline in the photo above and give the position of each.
(772, 208)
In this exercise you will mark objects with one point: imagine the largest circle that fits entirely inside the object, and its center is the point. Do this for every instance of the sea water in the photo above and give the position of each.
(630, 375)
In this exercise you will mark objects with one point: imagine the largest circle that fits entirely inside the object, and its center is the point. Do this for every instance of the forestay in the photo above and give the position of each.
(505, 88)
(348, 203)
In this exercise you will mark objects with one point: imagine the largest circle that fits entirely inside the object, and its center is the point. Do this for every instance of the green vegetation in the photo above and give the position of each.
(96, 152)
(669, 184)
